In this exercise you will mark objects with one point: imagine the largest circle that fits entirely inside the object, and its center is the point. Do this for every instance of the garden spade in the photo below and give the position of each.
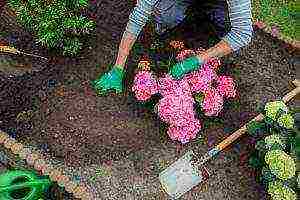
(188, 171)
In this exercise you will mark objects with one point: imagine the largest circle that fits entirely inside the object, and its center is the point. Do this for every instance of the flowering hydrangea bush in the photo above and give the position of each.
(212, 103)
(276, 154)
(286, 120)
(281, 164)
(176, 107)
(274, 139)
(144, 85)
(279, 191)
(272, 108)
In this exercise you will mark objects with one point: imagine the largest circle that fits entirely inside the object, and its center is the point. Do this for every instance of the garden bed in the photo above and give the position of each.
(105, 142)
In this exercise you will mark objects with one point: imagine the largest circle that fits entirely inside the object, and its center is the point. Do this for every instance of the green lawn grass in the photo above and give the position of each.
(280, 13)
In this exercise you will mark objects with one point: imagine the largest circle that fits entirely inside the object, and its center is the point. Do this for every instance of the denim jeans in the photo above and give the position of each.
(170, 13)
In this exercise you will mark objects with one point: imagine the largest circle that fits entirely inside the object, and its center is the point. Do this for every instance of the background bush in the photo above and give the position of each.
(56, 23)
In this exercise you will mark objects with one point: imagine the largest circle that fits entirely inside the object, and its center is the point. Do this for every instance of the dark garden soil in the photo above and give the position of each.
(62, 115)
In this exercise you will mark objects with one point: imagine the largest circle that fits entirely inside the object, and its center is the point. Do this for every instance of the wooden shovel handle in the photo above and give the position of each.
(259, 117)
(237, 134)
(8, 49)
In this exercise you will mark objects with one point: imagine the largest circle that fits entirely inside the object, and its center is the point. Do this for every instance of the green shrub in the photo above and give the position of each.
(56, 23)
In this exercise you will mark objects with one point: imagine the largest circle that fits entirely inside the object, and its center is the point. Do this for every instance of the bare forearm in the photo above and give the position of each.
(125, 46)
(219, 50)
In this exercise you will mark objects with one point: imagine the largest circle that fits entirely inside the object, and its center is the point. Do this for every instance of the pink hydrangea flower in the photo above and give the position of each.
(184, 54)
(212, 103)
(226, 86)
(213, 63)
(201, 80)
(183, 89)
(169, 86)
(166, 85)
(175, 110)
(144, 85)
(185, 133)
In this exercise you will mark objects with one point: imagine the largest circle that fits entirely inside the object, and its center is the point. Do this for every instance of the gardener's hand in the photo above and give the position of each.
(187, 65)
(109, 81)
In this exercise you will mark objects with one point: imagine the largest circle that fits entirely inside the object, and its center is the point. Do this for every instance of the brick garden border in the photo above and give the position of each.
(41, 164)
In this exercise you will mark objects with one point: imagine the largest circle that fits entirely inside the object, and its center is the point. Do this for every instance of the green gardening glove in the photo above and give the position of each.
(109, 81)
(187, 65)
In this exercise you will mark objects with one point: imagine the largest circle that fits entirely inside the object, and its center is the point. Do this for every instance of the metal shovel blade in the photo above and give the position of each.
(180, 177)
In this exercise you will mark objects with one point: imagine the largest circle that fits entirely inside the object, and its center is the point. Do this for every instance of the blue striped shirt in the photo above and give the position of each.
(239, 14)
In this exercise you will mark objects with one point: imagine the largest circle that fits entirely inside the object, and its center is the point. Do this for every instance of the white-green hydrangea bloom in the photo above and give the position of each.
(298, 180)
(273, 107)
(286, 120)
(278, 191)
(281, 164)
(272, 139)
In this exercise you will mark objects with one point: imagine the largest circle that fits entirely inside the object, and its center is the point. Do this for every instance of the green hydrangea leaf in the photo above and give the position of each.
(199, 98)
(255, 128)
(255, 162)
(269, 121)
(267, 176)
(260, 145)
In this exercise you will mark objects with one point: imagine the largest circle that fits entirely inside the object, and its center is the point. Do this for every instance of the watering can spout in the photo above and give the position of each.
(13, 181)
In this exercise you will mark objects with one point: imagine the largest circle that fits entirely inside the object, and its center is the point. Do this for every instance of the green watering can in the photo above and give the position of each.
(22, 185)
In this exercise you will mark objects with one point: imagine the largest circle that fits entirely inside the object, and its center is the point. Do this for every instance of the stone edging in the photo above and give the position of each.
(40, 164)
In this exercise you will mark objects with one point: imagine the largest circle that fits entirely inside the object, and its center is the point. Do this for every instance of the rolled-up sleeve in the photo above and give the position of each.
(139, 16)
(241, 24)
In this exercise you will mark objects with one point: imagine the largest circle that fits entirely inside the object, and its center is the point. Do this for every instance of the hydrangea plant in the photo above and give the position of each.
(276, 150)
(279, 191)
(281, 164)
(272, 109)
(179, 98)
(274, 140)
(286, 120)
